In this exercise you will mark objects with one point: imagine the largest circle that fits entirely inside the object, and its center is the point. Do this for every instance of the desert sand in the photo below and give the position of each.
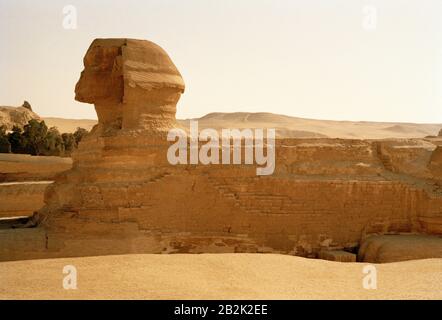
(286, 126)
(295, 127)
(69, 125)
(217, 276)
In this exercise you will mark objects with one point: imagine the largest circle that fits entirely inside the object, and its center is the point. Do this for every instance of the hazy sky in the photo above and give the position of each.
(323, 59)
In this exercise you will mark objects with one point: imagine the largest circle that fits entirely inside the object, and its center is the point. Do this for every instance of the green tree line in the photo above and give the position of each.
(37, 139)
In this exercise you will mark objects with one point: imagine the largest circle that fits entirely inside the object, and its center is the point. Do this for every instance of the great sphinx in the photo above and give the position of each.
(122, 195)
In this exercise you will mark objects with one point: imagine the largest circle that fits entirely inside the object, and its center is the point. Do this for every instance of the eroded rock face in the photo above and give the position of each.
(394, 248)
(27, 105)
(16, 116)
(435, 164)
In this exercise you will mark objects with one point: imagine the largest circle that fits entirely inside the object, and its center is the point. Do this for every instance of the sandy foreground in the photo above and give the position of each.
(217, 276)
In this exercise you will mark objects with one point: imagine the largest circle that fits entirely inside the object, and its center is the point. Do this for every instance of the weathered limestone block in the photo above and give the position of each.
(337, 255)
(393, 248)
(406, 156)
(431, 219)
(435, 163)
(336, 157)
(21, 198)
(24, 167)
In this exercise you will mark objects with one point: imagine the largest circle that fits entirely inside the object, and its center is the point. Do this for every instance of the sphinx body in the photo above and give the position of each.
(122, 195)
(134, 87)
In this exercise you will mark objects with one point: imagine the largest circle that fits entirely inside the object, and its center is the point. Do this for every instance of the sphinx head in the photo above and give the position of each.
(132, 83)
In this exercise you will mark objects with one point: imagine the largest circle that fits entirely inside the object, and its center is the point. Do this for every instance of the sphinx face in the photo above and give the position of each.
(101, 81)
(132, 83)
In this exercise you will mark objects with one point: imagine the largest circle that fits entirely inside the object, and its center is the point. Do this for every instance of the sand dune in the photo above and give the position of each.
(308, 128)
(69, 125)
(289, 127)
(217, 276)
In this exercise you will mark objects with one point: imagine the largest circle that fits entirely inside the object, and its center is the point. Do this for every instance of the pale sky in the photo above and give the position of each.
(310, 58)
